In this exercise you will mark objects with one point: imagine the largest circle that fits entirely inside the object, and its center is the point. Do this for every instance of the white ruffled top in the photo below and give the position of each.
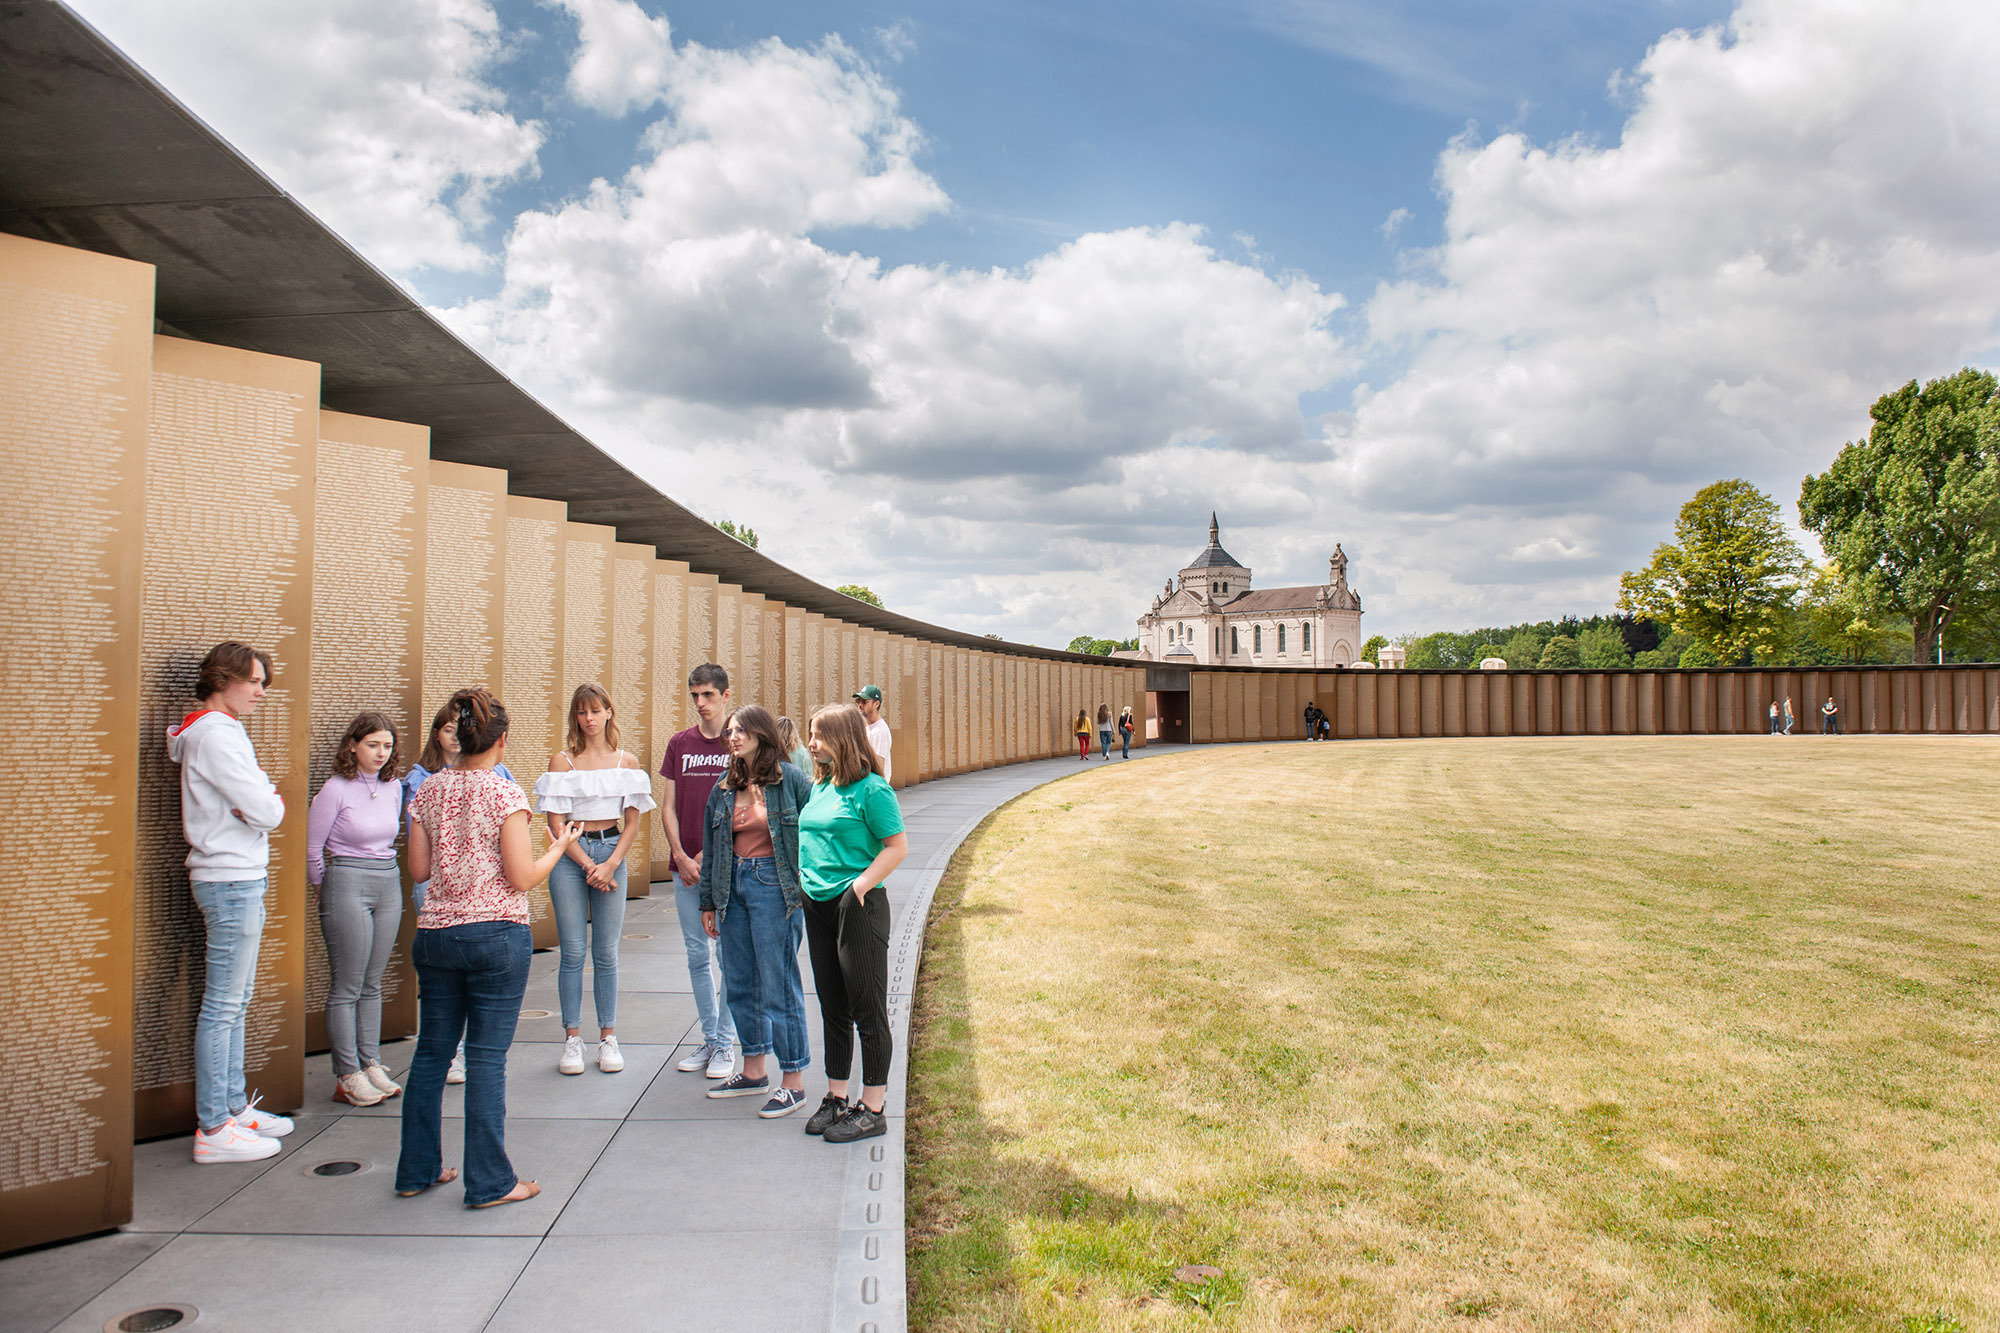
(594, 793)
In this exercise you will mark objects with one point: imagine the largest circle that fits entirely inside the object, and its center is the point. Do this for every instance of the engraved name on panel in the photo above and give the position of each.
(533, 654)
(237, 566)
(75, 347)
(671, 664)
(631, 689)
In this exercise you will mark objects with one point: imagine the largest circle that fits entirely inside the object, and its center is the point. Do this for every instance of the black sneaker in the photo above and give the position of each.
(859, 1123)
(738, 1086)
(831, 1108)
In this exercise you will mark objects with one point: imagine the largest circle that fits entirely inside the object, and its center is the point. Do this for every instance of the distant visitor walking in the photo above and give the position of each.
(1790, 721)
(1777, 722)
(869, 700)
(1082, 730)
(1104, 728)
(1125, 728)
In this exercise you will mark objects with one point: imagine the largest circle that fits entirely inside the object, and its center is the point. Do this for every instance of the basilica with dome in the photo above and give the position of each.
(1211, 616)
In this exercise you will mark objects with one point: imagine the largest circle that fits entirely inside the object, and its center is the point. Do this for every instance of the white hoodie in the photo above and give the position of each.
(219, 775)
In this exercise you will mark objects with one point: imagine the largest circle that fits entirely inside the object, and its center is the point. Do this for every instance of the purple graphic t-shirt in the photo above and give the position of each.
(694, 764)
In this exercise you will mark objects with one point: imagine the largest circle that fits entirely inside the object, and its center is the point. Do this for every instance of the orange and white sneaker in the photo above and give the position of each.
(268, 1124)
(230, 1142)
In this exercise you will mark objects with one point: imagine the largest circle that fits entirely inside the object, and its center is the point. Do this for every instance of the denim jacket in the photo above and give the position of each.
(718, 842)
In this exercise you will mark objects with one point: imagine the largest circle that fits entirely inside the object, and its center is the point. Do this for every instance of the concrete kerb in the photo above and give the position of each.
(870, 1292)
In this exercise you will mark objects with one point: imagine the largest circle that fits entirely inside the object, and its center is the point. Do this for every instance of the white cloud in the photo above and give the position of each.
(624, 59)
(378, 116)
(1803, 210)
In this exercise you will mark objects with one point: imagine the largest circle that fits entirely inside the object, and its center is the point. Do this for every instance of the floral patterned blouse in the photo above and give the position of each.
(462, 810)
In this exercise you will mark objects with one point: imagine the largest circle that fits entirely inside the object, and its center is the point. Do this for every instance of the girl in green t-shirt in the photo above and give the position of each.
(850, 837)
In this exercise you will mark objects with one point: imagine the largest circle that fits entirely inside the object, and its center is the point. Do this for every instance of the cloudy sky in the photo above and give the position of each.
(988, 305)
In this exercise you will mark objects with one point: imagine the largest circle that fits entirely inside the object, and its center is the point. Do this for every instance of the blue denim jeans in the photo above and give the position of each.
(1124, 743)
(470, 982)
(718, 1028)
(233, 911)
(760, 965)
(1104, 742)
(586, 918)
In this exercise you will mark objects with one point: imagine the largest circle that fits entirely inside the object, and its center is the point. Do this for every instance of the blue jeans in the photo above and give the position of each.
(760, 965)
(1124, 743)
(1104, 742)
(718, 1028)
(470, 982)
(233, 911)
(584, 915)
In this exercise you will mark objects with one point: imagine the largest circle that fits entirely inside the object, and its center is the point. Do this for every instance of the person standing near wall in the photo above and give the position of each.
(1082, 729)
(1125, 728)
(1776, 721)
(1104, 730)
(1829, 717)
(1790, 721)
(228, 809)
(469, 837)
(869, 700)
(795, 748)
(351, 859)
(440, 752)
(602, 787)
(850, 837)
(694, 760)
(752, 903)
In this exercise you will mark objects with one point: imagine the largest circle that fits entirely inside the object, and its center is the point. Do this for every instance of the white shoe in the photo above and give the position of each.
(356, 1090)
(230, 1142)
(695, 1060)
(384, 1084)
(456, 1074)
(572, 1056)
(266, 1123)
(721, 1062)
(609, 1061)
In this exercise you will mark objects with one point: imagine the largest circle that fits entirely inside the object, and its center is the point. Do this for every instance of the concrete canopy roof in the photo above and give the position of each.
(96, 155)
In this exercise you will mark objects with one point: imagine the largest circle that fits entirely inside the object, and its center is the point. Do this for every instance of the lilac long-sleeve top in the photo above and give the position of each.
(352, 817)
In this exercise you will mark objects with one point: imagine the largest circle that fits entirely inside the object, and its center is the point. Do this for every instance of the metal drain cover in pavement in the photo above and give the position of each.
(638, 937)
(337, 1168)
(151, 1320)
(536, 1013)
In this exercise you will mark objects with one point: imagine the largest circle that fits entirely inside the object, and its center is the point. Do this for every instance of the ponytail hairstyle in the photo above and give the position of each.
(591, 693)
(481, 719)
(346, 765)
(762, 770)
(843, 735)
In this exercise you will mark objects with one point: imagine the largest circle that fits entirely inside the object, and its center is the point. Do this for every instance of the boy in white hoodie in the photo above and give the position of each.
(228, 809)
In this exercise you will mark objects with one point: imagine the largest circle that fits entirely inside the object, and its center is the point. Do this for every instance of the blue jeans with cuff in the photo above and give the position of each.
(470, 982)
(718, 1027)
(233, 911)
(760, 966)
(588, 919)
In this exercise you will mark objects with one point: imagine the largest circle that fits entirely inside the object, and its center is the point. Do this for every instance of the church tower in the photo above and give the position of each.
(1215, 575)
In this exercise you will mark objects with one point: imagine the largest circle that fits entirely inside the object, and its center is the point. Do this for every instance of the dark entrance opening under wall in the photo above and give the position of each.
(1168, 711)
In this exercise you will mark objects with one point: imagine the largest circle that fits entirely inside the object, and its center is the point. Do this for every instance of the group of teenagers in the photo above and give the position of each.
(775, 841)
(1124, 724)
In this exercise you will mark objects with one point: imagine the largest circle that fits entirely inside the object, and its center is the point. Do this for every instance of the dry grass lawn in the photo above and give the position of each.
(1674, 1033)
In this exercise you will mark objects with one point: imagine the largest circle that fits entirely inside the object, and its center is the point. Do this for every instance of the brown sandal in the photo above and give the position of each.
(512, 1196)
(450, 1174)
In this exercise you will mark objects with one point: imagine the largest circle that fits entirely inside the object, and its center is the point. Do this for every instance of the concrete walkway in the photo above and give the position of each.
(660, 1209)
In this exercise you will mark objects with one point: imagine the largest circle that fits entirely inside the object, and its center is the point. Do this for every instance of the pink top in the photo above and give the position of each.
(462, 810)
(352, 817)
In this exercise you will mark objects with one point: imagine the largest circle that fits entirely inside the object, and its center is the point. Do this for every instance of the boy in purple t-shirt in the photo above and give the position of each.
(695, 760)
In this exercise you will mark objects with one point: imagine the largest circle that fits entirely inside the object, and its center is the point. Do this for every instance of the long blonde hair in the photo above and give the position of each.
(591, 693)
(843, 734)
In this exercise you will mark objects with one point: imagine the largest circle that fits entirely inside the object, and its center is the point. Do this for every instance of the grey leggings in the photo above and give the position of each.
(360, 907)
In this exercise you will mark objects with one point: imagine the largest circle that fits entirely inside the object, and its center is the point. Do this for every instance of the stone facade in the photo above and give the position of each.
(1210, 616)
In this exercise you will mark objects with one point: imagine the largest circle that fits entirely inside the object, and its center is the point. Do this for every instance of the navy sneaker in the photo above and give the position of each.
(738, 1086)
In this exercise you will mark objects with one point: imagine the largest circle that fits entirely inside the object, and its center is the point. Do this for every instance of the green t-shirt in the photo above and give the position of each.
(842, 830)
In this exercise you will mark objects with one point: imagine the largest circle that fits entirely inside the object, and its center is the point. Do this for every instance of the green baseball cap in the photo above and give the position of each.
(872, 692)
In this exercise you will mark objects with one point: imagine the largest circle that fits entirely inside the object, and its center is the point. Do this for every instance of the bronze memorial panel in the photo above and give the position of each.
(534, 696)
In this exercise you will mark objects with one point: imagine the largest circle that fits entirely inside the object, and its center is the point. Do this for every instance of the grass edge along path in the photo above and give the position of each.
(1683, 1033)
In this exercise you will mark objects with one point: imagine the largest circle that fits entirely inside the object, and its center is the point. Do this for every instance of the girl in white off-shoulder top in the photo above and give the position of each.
(597, 784)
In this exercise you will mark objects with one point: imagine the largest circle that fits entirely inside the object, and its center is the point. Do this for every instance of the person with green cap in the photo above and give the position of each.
(869, 700)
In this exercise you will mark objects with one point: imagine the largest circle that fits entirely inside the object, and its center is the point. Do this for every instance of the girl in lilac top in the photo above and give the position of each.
(351, 859)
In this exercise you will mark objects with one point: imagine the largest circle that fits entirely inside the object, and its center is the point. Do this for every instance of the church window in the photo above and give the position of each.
(1235, 645)
(1305, 638)
(1281, 640)
(1218, 638)
(1257, 638)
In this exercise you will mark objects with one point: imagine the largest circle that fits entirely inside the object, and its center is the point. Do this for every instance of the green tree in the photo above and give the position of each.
(1699, 654)
(1602, 646)
(1839, 617)
(1376, 642)
(745, 533)
(1728, 580)
(1523, 649)
(1560, 652)
(1667, 654)
(1486, 650)
(859, 593)
(1913, 511)
(1084, 643)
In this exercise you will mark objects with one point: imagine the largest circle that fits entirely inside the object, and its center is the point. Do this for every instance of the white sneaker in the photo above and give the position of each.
(456, 1074)
(609, 1061)
(572, 1056)
(722, 1062)
(357, 1090)
(695, 1060)
(230, 1142)
(266, 1123)
(384, 1083)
